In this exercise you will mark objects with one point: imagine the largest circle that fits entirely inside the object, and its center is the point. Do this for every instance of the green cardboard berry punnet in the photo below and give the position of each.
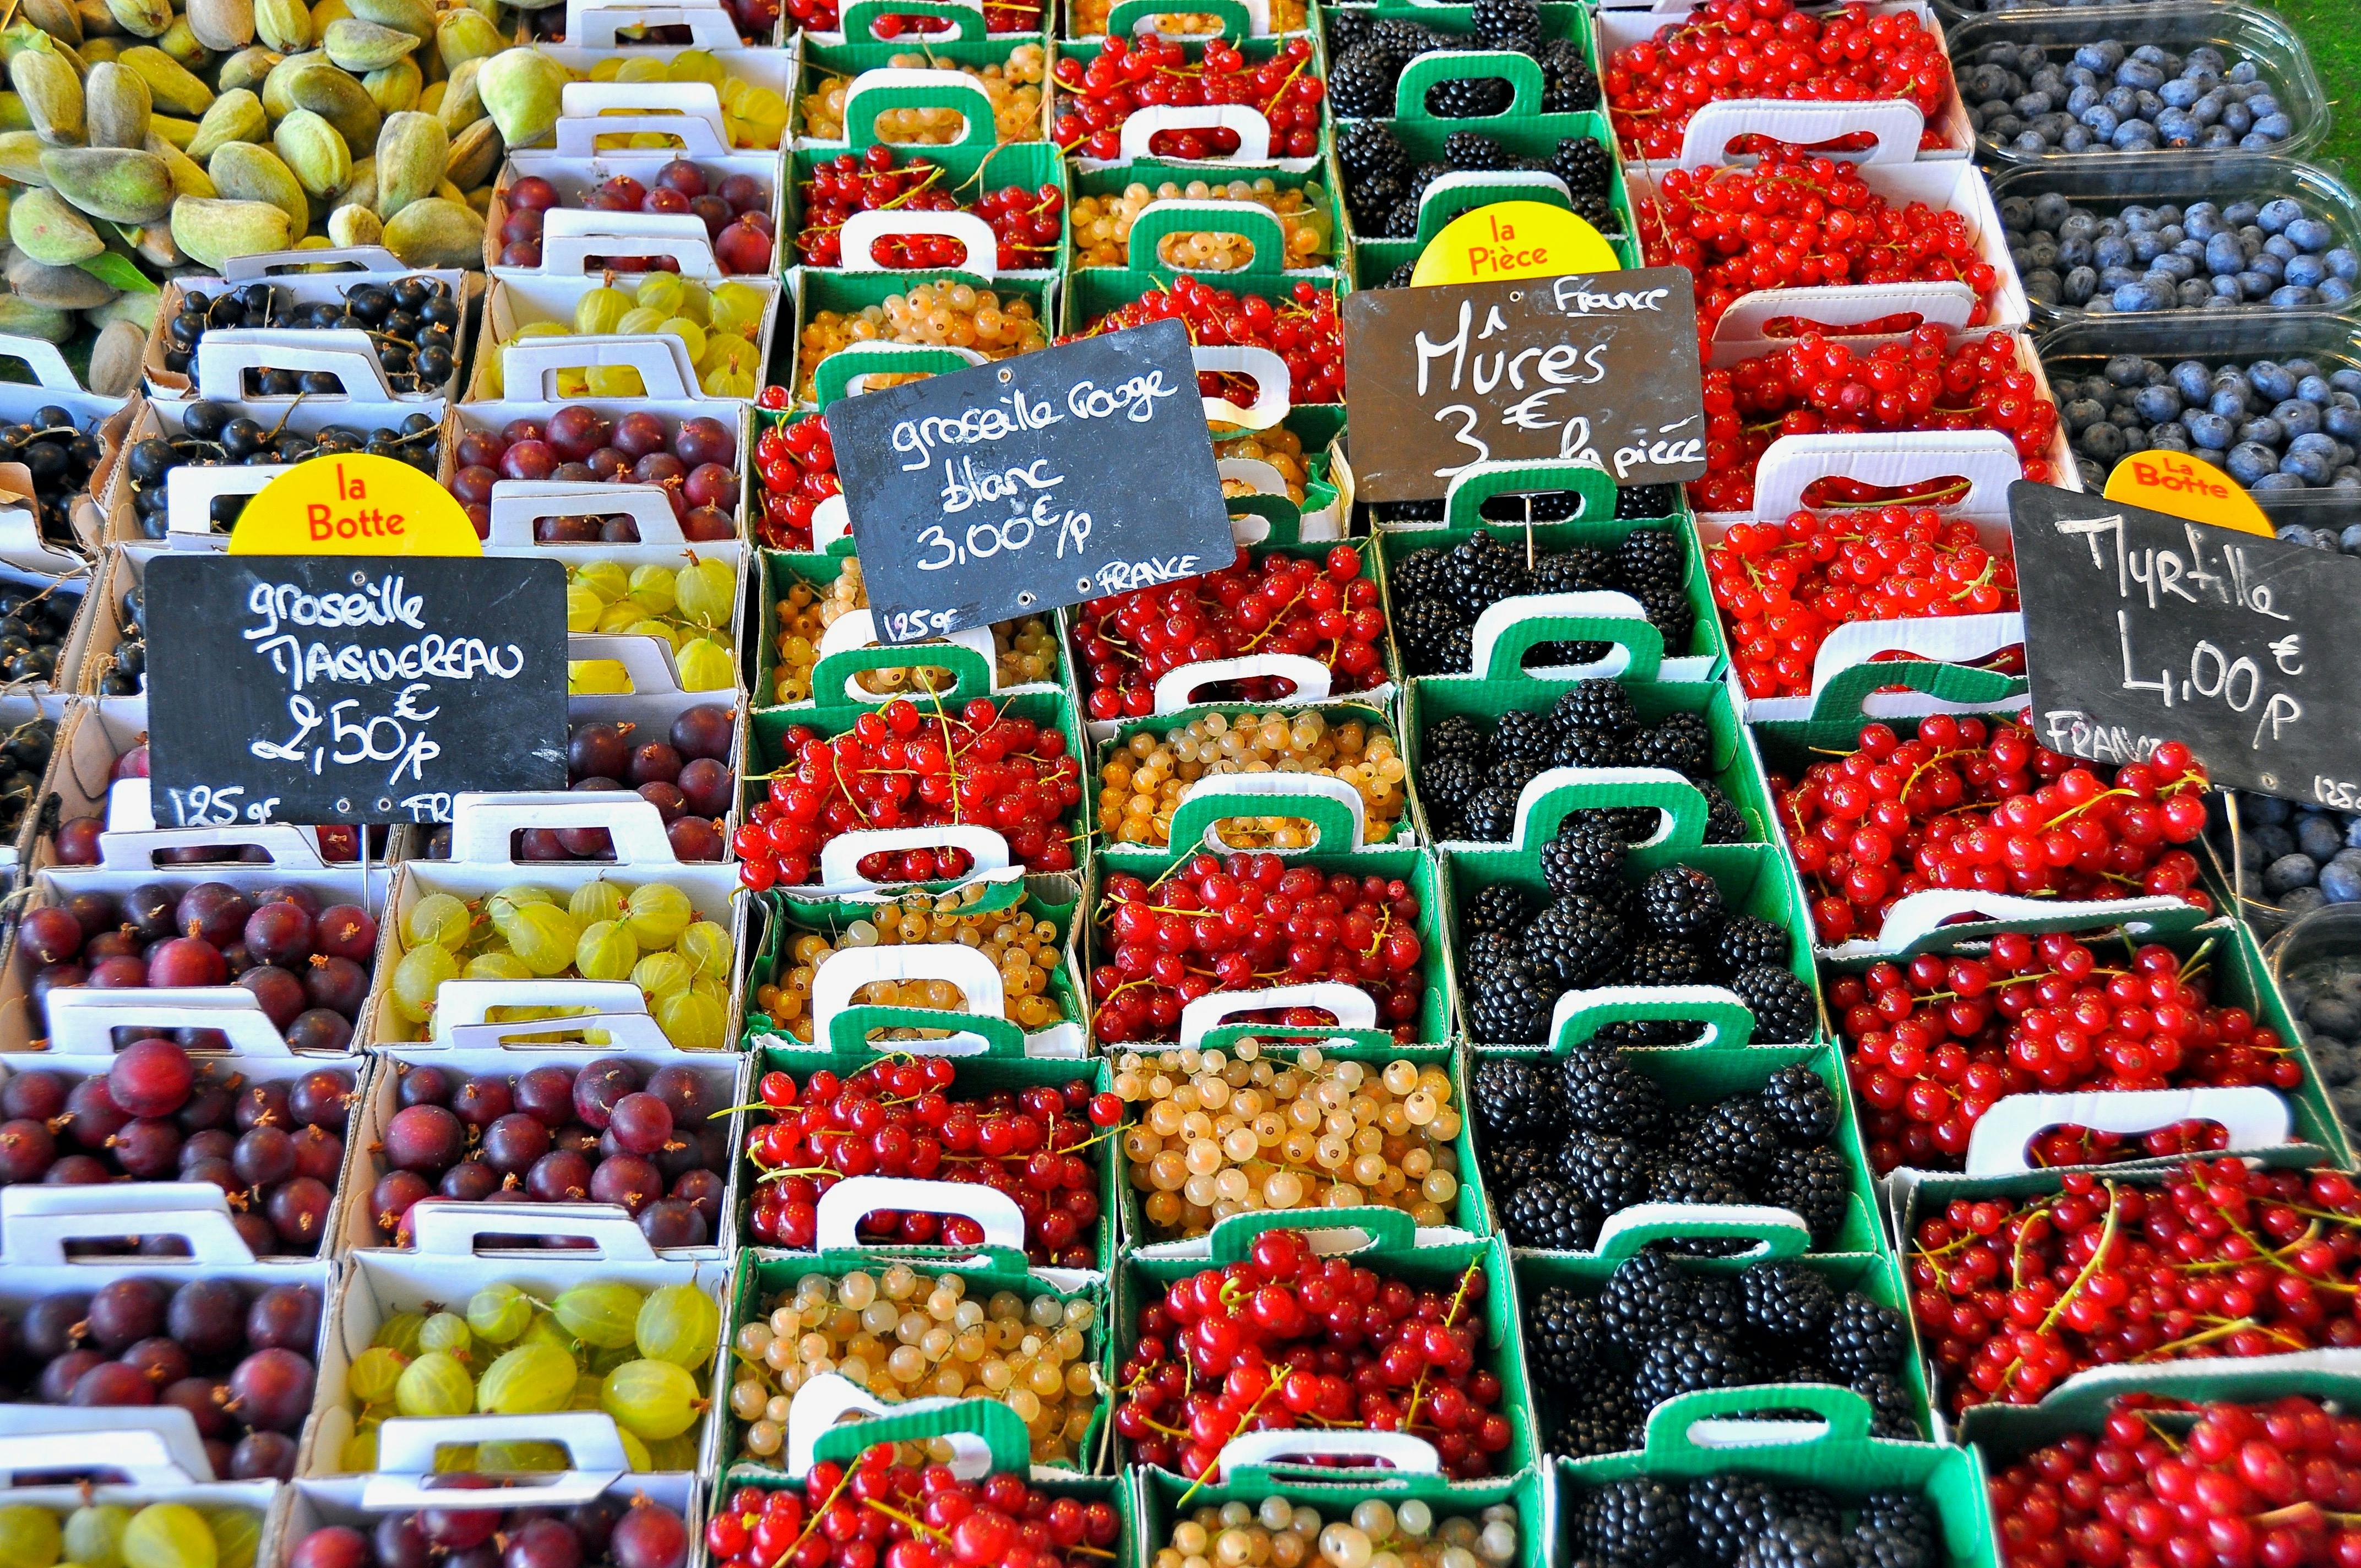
(1125, 17)
(1165, 1499)
(859, 19)
(1250, 221)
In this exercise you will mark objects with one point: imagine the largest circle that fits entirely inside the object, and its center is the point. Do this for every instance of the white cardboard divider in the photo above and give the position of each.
(481, 823)
(570, 236)
(2255, 1117)
(131, 822)
(858, 629)
(1743, 330)
(189, 492)
(1265, 479)
(1896, 122)
(82, 1020)
(406, 1448)
(1354, 1008)
(939, 86)
(1916, 915)
(224, 356)
(862, 231)
(530, 364)
(647, 662)
(160, 1453)
(518, 504)
(589, 24)
(688, 110)
(468, 1003)
(841, 857)
(445, 1227)
(832, 520)
(1274, 393)
(1985, 458)
(825, 1400)
(38, 1220)
(1286, 786)
(1761, 1216)
(842, 1207)
(1177, 688)
(1403, 1454)
(21, 544)
(1253, 131)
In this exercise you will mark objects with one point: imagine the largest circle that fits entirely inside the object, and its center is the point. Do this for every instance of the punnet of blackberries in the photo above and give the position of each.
(1383, 184)
(1728, 1519)
(412, 323)
(1438, 593)
(59, 454)
(217, 436)
(1367, 60)
(1605, 1356)
(1566, 1143)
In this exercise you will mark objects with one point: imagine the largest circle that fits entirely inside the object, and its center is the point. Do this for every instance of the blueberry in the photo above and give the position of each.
(2132, 135)
(2314, 389)
(2289, 872)
(2295, 417)
(2320, 836)
(2263, 432)
(2133, 297)
(2349, 542)
(2343, 262)
(2210, 431)
(2249, 461)
(2123, 101)
(2231, 401)
(2334, 291)
(2237, 119)
(2272, 380)
(2103, 443)
(2343, 422)
(2334, 1014)
(2190, 378)
(2156, 404)
(2290, 297)
(2079, 285)
(2309, 469)
(2082, 413)
(2140, 74)
(2314, 441)
(2254, 285)
(2031, 144)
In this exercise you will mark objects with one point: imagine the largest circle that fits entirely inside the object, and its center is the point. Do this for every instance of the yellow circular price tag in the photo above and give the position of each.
(354, 504)
(1513, 239)
(2181, 485)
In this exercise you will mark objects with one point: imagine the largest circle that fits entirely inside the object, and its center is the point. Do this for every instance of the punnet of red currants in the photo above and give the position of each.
(1934, 1042)
(1288, 1338)
(999, 16)
(796, 462)
(2274, 1482)
(307, 961)
(694, 460)
(1026, 225)
(1300, 327)
(1325, 609)
(907, 1516)
(904, 766)
(1250, 922)
(913, 1117)
(237, 1356)
(1981, 804)
(2214, 1258)
(734, 208)
(611, 1131)
(1097, 94)
(638, 1532)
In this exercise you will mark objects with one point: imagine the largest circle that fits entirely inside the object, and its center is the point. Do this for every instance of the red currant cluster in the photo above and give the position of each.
(1768, 49)
(1142, 73)
(898, 1117)
(999, 16)
(2276, 1483)
(1289, 1339)
(1246, 922)
(905, 1517)
(2215, 1260)
(1924, 382)
(796, 466)
(1304, 334)
(899, 768)
(1794, 222)
(1785, 585)
(1025, 222)
(1973, 804)
(1323, 610)
(1934, 1042)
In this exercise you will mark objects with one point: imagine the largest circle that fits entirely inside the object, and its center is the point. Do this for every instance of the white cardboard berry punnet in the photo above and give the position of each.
(1253, 131)
(225, 354)
(529, 366)
(576, 178)
(53, 386)
(444, 1268)
(33, 1264)
(482, 862)
(597, 25)
(1948, 915)
(360, 1502)
(150, 1465)
(588, 110)
(654, 701)
(727, 1076)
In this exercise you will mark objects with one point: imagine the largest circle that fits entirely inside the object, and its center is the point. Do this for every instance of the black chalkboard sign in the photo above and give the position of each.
(1598, 368)
(1047, 479)
(2141, 628)
(350, 688)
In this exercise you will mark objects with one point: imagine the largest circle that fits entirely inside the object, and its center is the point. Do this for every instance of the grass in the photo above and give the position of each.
(2327, 29)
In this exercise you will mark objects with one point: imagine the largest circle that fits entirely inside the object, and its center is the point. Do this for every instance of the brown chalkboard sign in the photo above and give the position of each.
(1596, 367)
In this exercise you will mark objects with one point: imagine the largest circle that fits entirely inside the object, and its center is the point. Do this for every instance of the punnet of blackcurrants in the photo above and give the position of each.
(274, 1145)
(235, 1354)
(223, 435)
(60, 452)
(412, 324)
(614, 1130)
(306, 961)
(734, 208)
(33, 622)
(694, 461)
(606, 1533)
(25, 749)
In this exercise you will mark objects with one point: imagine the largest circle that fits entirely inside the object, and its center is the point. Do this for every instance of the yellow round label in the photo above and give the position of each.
(354, 503)
(1513, 239)
(2181, 485)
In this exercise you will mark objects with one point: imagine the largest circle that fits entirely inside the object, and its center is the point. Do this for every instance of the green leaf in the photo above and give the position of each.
(119, 270)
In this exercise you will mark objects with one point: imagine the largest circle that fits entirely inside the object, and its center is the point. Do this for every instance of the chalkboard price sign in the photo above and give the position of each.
(1598, 368)
(1043, 481)
(2141, 628)
(350, 688)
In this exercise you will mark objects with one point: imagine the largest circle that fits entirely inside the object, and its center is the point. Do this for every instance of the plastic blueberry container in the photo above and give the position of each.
(2108, 183)
(2082, 347)
(2238, 30)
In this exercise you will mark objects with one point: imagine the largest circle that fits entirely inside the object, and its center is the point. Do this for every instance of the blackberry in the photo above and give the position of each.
(1796, 1543)
(1574, 571)
(1802, 1105)
(1545, 1214)
(1417, 575)
(1515, 773)
(1512, 1165)
(1587, 169)
(1484, 569)
(1681, 1182)
(1650, 558)
(1503, 23)
(1606, 1094)
(1744, 942)
(1406, 39)
(1468, 98)
(1637, 1523)
(1891, 1413)
(1492, 948)
(1588, 749)
(1897, 1529)
(1400, 220)
(1726, 1512)
(1446, 783)
(1632, 501)
(1813, 1183)
(1724, 823)
(1656, 961)
(1714, 1304)
(1607, 1422)
(1518, 1100)
(1685, 1360)
(1583, 858)
(1372, 200)
(1737, 1138)
(1348, 27)
(1408, 511)
(1521, 734)
(1577, 940)
(1509, 1006)
(1782, 1004)
(1459, 650)
(1670, 612)
(1498, 907)
(1493, 815)
(1601, 705)
(1527, 506)
(1681, 901)
(1646, 1293)
(1786, 1299)
(1459, 736)
(1568, 84)
(1424, 627)
(1361, 82)
(1864, 1337)
(1611, 1173)
(1681, 742)
(1566, 1337)
(1474, 151)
